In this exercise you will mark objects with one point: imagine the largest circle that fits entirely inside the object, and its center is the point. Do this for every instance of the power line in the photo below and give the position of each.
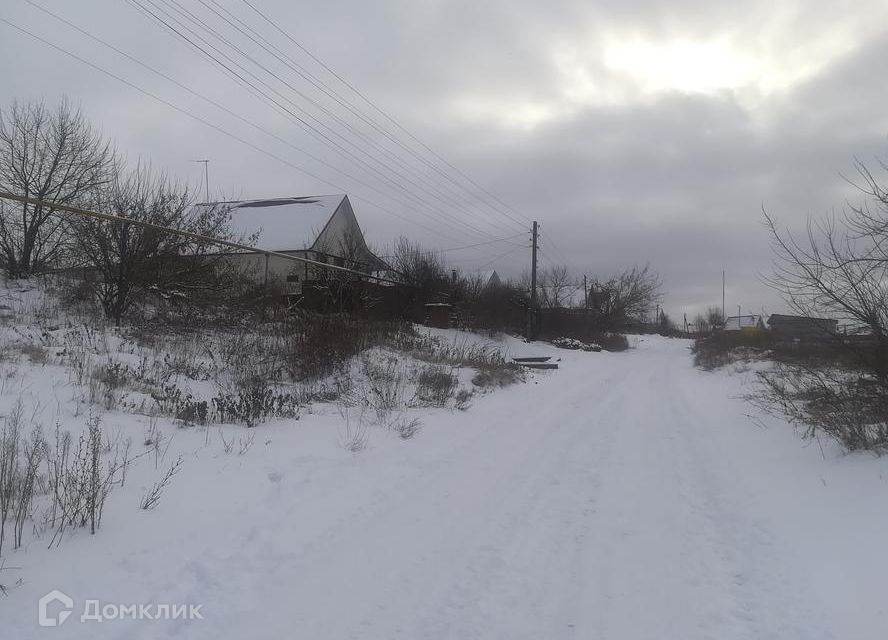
(324, 138)
(226, 110)
(313, 131)
(356, 111)
(400, 127)
(203, 121)
(218, 106)
(481, 244)
(499, 257)
(441, 190)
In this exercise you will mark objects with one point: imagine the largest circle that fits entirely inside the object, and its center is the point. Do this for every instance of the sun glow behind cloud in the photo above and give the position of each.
(683, 65)
(756, 62)
(619, 71)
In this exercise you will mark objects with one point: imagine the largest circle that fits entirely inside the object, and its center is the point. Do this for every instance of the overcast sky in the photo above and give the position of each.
(644, 131)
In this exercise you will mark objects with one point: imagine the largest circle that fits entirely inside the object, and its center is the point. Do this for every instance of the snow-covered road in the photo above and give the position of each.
(625, 496)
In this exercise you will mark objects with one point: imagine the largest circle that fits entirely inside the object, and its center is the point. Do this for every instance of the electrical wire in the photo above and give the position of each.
(375, 107)
(498, 258)
(206, 99)
(323, 136)
(481, 244)
(203, 121)
(441, 189)
(228, 111)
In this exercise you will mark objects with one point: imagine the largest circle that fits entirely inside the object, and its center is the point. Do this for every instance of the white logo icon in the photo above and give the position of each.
(47, 620)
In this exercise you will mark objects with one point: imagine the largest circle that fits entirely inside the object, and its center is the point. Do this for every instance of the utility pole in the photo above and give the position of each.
(723, 295)
(533, 281)
(206, 164)
(585, 293)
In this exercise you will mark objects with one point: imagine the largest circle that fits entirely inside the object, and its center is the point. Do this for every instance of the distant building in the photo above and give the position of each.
(490, 280)
(740, 323)
(801, 327)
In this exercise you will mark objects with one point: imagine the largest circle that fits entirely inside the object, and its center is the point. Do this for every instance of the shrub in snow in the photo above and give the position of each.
(19, 462)
(496, 377)
(843, 404)
(461, 401)
(726, 347)
(152, 495)
(171, 401)
(355, 436)
(573, 343)
(387, 383)
(254, 403)
(612, 341)
(73, 486)
(78, 483)
(435, 385)
(405, 428)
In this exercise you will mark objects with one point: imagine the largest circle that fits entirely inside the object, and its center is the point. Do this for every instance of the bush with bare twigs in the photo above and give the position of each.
(837, 270)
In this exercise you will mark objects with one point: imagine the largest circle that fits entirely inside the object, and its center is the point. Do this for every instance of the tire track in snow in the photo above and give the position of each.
(764, 591)
(658, 567)
(514, 584)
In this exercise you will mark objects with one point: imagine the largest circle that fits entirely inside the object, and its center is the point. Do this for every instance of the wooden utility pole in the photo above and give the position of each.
(533, 282)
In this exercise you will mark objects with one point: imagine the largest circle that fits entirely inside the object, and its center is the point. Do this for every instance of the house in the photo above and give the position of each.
(320, 228)
(744, 323)
(801, 327)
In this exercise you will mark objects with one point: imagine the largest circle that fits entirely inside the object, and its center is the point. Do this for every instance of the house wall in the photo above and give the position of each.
(254, 266)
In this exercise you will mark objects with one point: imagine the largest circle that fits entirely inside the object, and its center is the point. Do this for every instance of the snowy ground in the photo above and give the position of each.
(624, 496)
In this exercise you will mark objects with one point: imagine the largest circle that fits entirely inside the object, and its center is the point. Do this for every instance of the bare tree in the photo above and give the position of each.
(46, 154)
(423, 270)
(715, 318)
(701, 324)
(839, 270)
(556, 288)
(704, 324)
(473, 286)
(626, 297)
(840, 267)
(131, 259)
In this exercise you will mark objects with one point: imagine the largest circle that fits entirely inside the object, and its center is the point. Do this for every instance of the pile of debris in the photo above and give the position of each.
(573, 343)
